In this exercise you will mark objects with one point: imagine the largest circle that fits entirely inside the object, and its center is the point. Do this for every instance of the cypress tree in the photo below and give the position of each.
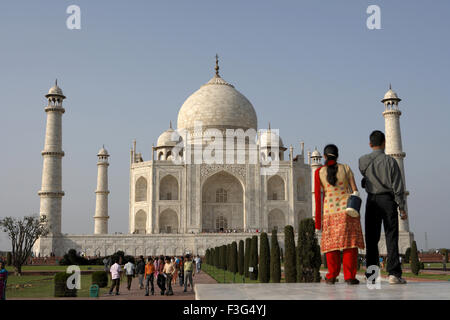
(290, 273)
(224, 257)
(234, 258)
(241, 257)
(264, 258)
(281, 254)
(248, 242)
(308, 253)
(254, 258)
(415, 264)
(407, 255)
(275, 265)
(217, 257)
(229, 257)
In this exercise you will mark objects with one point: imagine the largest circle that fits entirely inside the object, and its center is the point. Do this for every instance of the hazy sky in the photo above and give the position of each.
(311, 68)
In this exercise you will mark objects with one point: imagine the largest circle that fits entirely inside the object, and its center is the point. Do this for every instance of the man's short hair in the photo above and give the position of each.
(377, 138)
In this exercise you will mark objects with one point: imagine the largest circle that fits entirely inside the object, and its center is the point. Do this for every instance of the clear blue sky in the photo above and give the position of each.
(311, 68)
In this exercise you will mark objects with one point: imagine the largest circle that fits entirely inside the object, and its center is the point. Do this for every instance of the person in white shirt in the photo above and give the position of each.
(129, 270)
(115, 277)
(198, 263)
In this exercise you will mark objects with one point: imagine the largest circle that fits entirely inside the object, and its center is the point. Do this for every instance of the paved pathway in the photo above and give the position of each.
(139, 294)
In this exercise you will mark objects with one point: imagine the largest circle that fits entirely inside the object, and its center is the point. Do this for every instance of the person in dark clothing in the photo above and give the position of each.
(383, 181)
(140, 271)
(161, 279)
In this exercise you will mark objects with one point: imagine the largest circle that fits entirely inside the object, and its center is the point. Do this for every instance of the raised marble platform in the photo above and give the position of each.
(322, 291)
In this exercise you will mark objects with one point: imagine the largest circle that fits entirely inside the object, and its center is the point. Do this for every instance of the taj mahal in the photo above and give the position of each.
(181, 201)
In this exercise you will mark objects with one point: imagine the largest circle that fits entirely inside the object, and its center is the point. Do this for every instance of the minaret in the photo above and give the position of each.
(51, 190)
(316, 162)
(101, 202)
(394, 147)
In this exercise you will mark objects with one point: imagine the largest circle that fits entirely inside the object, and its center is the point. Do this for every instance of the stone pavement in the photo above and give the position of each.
(322, 291)
(139, 294)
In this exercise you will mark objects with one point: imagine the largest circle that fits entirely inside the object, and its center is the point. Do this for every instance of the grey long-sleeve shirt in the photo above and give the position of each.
(383, 175)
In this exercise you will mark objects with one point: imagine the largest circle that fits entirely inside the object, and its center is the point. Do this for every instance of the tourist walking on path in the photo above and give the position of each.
(140, 270)
(385, 188)
(3, 280)
(340, 231)
(169, 270)
(149, 276)
(115, 277)
(160, 279)
(181, 271)
(129, 269)
(188, 273)
(198, 264)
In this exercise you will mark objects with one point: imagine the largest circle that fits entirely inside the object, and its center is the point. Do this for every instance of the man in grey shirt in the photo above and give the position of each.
(386, 197)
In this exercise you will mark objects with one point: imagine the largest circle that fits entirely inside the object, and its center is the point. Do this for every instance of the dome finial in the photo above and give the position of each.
(217, 65)
(56, 82)
(170, 124)
(390, 86)
(269, 125)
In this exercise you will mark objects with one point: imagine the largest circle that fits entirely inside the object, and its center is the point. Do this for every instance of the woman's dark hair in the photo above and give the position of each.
(332, 153)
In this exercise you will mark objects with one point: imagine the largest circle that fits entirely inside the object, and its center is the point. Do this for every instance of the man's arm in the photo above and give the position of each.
(397, 184)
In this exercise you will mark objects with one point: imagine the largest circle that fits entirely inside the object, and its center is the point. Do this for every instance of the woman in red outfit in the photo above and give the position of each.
(340, 231)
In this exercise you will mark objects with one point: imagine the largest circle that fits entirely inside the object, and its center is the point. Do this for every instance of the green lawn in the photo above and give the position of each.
(52, 268)
(41, 286)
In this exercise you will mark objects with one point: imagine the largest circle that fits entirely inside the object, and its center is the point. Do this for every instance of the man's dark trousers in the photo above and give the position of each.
(129, 279)
(382, 209)
(115, 283)
(161, 281)
(149, 279)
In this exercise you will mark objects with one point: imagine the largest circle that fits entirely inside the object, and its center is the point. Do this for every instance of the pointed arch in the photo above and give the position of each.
(140, 190)
(140, 222)
(276, 220)
(275, 188)
(168, 221)
(168, 188)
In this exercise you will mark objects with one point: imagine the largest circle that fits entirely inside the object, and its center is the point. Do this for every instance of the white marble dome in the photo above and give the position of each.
(217, 104)
(102, 152)
(166, 139)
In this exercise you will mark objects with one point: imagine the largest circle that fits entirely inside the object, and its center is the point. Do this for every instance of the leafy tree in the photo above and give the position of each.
(248, 242)
(23, 235)
(275, 265)
(308, 253)
(241, 258)
(254, 258)
(9, 258)
(415, 264)
(264, 258)
(290, 273)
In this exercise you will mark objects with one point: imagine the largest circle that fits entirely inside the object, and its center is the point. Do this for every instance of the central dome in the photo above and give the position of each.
(217, 104)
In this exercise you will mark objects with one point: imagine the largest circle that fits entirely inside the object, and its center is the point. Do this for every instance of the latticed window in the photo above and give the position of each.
(221, 195)
(274, 196)
(221, 223)
(169, 196)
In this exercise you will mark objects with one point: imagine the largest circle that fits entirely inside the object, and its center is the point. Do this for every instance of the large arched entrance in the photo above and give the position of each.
(222, 203)
(168, 221)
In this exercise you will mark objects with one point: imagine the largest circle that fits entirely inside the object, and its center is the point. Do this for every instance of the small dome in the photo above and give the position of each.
(168, 139)
(103, 152)
(390, 95)
(55, 91)
(316, 154)
(266, 137)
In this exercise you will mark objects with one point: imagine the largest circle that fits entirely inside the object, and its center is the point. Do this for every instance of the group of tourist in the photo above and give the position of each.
(164, 269)
(341, 228)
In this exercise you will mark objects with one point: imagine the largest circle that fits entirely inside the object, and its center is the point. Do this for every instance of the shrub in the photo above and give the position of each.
(229, 257)
(241, 258)
(308, 253)
(290, 273)
(275, 265)
(264, 258)
(248, 242)
(415, 264)
(100, 278)
(9, 258)
(225, 257)
(407, 255)
(217, 257)
(234, 257)
(61, 289)
(254, 258)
